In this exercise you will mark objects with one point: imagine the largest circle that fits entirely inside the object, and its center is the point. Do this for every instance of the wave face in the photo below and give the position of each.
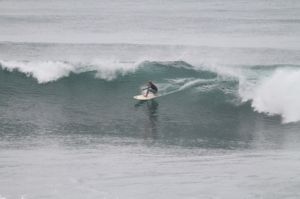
(271, 89)
(214, 97)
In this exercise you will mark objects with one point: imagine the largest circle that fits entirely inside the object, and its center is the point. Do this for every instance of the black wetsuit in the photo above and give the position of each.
(152, 88)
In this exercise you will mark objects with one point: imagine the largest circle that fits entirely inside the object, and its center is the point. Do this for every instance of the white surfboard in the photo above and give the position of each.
(142, 97)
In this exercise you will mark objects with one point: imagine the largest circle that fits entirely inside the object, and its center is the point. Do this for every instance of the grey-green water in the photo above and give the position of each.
(84, 137)
(226, 124)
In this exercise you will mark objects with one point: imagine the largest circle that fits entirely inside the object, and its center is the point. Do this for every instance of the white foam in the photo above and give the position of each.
(273, 92)
(277, 94)
(110, 69)
(180, 84)
(47, 71)
(43, 71)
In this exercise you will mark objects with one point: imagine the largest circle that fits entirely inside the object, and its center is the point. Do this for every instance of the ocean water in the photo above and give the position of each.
(226, 124)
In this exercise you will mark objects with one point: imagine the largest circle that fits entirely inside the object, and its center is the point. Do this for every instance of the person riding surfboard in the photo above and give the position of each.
(151, 88)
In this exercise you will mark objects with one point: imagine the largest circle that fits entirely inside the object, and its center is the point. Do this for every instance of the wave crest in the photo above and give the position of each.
(48, 71)
(277, 94)
(273, 90)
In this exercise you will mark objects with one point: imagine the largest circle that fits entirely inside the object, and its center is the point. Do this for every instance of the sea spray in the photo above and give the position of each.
(279, 94)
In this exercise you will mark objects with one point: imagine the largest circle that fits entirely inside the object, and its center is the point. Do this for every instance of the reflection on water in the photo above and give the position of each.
(150, 122)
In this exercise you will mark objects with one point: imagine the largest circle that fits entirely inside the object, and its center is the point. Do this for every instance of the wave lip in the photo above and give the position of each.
(278, 94)
(43, 71)
(48, 71)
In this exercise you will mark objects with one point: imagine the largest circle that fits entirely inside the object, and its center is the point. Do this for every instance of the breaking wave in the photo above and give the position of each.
(272, 89)
(47, 71)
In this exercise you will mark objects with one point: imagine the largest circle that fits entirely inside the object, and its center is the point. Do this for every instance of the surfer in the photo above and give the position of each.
(150, 88)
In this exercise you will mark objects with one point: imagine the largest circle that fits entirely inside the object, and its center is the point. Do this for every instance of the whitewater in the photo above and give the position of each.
(269, 84)
(226, 125)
